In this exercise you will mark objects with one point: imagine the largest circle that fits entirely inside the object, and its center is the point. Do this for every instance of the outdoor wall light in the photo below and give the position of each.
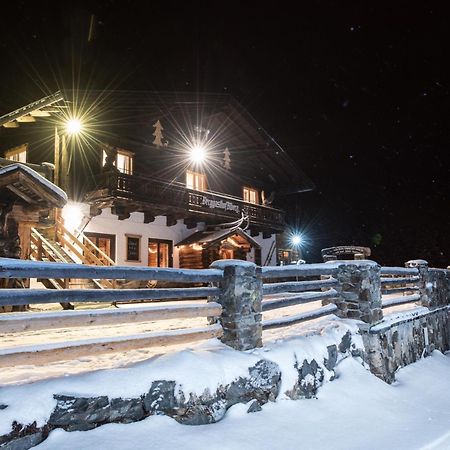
(73, 126)
(198, 154)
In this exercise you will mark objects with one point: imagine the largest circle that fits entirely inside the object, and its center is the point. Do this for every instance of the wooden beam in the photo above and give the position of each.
(171, 221)
(190, 223)
(18, 323)
(303, 317)
(12, 268)
(20, 194)
(49, 353)
(94, 211)
(148, 217)
(298, 286)
(16, 297)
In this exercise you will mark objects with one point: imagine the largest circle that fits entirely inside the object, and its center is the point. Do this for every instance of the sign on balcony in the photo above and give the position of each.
(225, 205)
(213, 204)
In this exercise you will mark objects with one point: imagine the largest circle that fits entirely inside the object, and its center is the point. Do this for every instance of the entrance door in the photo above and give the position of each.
(160, 253)
(105, 242)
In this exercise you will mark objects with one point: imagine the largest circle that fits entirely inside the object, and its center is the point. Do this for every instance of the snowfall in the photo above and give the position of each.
(354, 411)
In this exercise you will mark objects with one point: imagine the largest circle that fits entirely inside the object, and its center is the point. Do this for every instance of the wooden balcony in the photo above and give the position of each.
(129, 193)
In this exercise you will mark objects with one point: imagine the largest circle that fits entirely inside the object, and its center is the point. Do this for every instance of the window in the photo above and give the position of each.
(196, 181)
(159, 253)
(251, 195)
(105, 242)
(133, 248)
(124, 161)
(18, 154)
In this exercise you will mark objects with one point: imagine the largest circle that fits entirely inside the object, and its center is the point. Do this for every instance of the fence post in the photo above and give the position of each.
(359, 291)
(425, 288)
(240, 297)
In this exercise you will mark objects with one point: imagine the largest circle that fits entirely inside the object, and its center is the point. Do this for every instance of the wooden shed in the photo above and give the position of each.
(202, 248)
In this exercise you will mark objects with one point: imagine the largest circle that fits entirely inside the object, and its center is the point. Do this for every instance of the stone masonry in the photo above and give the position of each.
(240, 298)
(359, 291)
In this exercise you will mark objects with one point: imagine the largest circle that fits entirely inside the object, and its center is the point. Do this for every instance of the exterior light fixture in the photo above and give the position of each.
(296, 240)
(73, 126)
(198, 154)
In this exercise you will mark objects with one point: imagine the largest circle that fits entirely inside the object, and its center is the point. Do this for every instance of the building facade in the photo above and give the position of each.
(158, 179)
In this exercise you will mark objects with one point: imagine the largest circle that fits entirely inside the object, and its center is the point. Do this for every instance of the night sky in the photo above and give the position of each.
(356, 92)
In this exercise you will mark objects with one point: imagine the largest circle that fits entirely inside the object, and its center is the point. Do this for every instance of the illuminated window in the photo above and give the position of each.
(18, 154)
(250, 195)
(124, 161)
(196, 181)
(159, 253)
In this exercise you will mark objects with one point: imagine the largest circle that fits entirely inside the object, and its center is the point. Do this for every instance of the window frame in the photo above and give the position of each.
(158, 242)
(133, 236)
(196, 177)
(251, 190)
(121, 152)
(20, 149)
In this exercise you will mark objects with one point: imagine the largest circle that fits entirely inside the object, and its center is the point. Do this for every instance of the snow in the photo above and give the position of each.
(48, 184)
(355, 411)
(219, 365)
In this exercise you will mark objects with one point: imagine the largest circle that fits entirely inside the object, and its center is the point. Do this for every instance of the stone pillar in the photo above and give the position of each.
(424, 286)
(241, 302)
(359, 291)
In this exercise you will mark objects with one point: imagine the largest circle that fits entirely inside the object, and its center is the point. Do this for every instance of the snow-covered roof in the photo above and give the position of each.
(57, 197)
(208, 238)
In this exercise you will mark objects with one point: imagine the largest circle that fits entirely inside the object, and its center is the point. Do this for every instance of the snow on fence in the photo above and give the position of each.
(45, 353)
(399, 280)
(239, 296)
(278, 294)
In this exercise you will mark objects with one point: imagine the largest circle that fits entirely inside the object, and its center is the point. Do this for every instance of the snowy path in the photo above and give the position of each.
(356, 411)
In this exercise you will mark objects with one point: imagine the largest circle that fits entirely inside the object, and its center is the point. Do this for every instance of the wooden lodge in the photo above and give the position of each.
(138, 192)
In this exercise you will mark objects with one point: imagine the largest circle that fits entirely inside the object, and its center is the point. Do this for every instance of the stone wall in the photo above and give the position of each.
(398, 342)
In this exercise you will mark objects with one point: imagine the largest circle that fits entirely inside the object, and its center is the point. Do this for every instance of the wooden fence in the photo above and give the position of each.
(399, 286)
(316, 284)
(327, 287)
(46, 353)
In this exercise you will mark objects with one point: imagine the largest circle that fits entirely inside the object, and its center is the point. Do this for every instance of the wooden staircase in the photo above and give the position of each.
(58, 244)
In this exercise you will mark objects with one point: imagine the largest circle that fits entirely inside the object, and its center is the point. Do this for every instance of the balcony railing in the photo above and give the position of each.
(162, 198)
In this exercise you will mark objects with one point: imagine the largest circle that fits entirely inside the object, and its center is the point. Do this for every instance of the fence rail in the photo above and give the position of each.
(234, 296)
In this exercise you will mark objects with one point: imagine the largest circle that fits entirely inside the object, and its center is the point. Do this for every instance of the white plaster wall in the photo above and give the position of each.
(108, 223)
(265, 248)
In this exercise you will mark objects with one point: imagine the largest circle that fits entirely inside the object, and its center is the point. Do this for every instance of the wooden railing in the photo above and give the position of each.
(46, 353)
(185, 201)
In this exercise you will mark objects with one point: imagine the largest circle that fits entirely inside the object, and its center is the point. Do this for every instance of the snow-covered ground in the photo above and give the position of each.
(356, 411)
(29, 373)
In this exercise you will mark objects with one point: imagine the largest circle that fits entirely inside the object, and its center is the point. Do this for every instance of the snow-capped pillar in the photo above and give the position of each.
(241, 295)
(425, 287)
(359, 291)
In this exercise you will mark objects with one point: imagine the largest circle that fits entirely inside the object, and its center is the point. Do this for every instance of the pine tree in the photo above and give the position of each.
(226, 159)
(158, 141)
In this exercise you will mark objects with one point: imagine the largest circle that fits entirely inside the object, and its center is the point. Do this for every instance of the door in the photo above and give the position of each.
(160, 253)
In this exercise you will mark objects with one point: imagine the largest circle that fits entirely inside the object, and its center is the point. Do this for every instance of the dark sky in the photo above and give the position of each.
(356, 92)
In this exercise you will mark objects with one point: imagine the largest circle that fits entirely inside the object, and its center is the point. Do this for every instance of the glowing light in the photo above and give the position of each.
(198, 154)
(296, 240)
(73, 126)
(73, 216)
